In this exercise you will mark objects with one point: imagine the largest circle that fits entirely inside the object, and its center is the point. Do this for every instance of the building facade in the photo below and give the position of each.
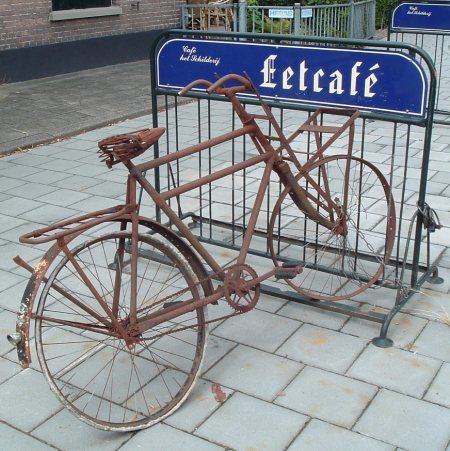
(45, 37)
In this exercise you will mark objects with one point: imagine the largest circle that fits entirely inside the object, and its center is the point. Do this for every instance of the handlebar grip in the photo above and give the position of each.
(246, 85)
(191, 85)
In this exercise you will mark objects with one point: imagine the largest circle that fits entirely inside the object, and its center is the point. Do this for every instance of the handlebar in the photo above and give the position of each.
(219, 85)
(191, 85)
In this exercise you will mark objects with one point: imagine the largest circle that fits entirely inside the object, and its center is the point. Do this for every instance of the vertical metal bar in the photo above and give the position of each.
(242, 16)
(184, 13)
(199, 134)
(233, 200)
(209, 170)
(402, 200)
(154, 97)
(352, 19)
(424, 172)
(177, 146)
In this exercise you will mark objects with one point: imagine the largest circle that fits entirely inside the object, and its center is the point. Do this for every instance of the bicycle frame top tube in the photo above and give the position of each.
(160, 199)
(267, 154)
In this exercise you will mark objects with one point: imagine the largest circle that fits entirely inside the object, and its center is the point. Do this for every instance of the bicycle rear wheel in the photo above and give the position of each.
(336, 265)
(86, 362)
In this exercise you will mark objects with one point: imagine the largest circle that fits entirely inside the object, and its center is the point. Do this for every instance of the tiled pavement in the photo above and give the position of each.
(295, 377)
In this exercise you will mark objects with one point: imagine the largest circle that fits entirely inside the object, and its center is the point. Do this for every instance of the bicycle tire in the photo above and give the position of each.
(336, 266)
(92, 371)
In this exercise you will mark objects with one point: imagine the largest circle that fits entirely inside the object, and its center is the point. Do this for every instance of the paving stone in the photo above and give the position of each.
(398, 370)
(76, 182)
(216, 348)
(439, 391)
(429, 304)
(403, 329)
(244, 423)
(50, 177)
(199, 405)
(63, 197)
(107, 189)
(9, 182)
(323, 348)
(327, 396)
(31, 190)
(8, 279)
(444, 274)
(9, 223)
(89, 170)
(168, 439)
(93, 203)
(33, 402)
(321, 436)
(30, 159)
(66, 432)
(243, 366)
(259, 329)
(7, 369)
(12, 439)
(48, 214)
(313, 315)
(16, 206)
(434, 341)
(10, 297)
(7, 325)
(406, 422)
(60, 165)
(10, 250)
(270, 304)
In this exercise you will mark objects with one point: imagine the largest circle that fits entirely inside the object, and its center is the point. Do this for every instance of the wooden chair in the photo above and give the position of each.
(221, 15)
(197, 16)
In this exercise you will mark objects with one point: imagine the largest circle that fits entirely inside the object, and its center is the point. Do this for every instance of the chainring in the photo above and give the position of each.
(239, 291)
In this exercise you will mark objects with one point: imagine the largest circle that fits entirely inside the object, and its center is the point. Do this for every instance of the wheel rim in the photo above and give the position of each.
(337, 266)
(94, 374)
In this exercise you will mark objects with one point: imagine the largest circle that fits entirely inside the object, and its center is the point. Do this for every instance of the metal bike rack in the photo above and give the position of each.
(398, 144)
(426, 24)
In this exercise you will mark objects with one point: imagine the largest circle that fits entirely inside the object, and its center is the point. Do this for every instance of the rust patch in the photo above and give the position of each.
(219, 394)
(319, 340)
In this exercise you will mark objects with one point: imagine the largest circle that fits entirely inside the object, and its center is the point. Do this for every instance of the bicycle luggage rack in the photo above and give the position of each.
(409, 268)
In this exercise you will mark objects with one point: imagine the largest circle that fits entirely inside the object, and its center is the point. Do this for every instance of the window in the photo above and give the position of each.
(61, 5)
(82, 9)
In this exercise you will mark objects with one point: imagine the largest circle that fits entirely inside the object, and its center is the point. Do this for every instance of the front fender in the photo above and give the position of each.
(26, 305)
(25, 312)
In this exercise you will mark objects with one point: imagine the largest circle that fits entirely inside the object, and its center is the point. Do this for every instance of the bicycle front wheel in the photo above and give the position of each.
(87, 363)
(343, 261)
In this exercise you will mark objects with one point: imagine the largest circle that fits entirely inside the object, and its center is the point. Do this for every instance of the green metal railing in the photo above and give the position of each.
(355, 19)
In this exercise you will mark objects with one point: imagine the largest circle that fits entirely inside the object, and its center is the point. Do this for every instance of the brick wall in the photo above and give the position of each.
(25, 23)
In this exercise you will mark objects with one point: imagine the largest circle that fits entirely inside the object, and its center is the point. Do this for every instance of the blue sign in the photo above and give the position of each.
(421, 16)
(377, 80)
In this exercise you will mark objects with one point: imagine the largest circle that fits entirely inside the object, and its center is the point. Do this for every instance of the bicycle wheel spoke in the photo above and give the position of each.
(88, 364)
(341, 262)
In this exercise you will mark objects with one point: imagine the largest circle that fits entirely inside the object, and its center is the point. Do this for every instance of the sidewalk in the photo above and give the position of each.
(295, 378)
(43, 110)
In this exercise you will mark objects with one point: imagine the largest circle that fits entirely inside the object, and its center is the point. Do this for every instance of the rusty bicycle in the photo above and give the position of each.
(121, 321)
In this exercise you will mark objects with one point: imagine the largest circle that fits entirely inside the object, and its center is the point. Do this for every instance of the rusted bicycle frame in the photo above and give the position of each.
(239, 283)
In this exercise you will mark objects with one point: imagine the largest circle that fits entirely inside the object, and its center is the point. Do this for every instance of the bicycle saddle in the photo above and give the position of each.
(124, 147)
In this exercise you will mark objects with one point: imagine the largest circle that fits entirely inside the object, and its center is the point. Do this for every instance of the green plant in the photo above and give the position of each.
(383, 11)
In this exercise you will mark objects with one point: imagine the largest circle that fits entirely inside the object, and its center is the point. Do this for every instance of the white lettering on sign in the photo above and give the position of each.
(319, 80)
(417, 12)
(281, 13)
(190, 54)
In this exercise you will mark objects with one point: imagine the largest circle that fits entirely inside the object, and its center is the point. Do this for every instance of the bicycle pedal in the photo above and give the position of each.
(171, 304)
(286, 274)
(289, 270)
